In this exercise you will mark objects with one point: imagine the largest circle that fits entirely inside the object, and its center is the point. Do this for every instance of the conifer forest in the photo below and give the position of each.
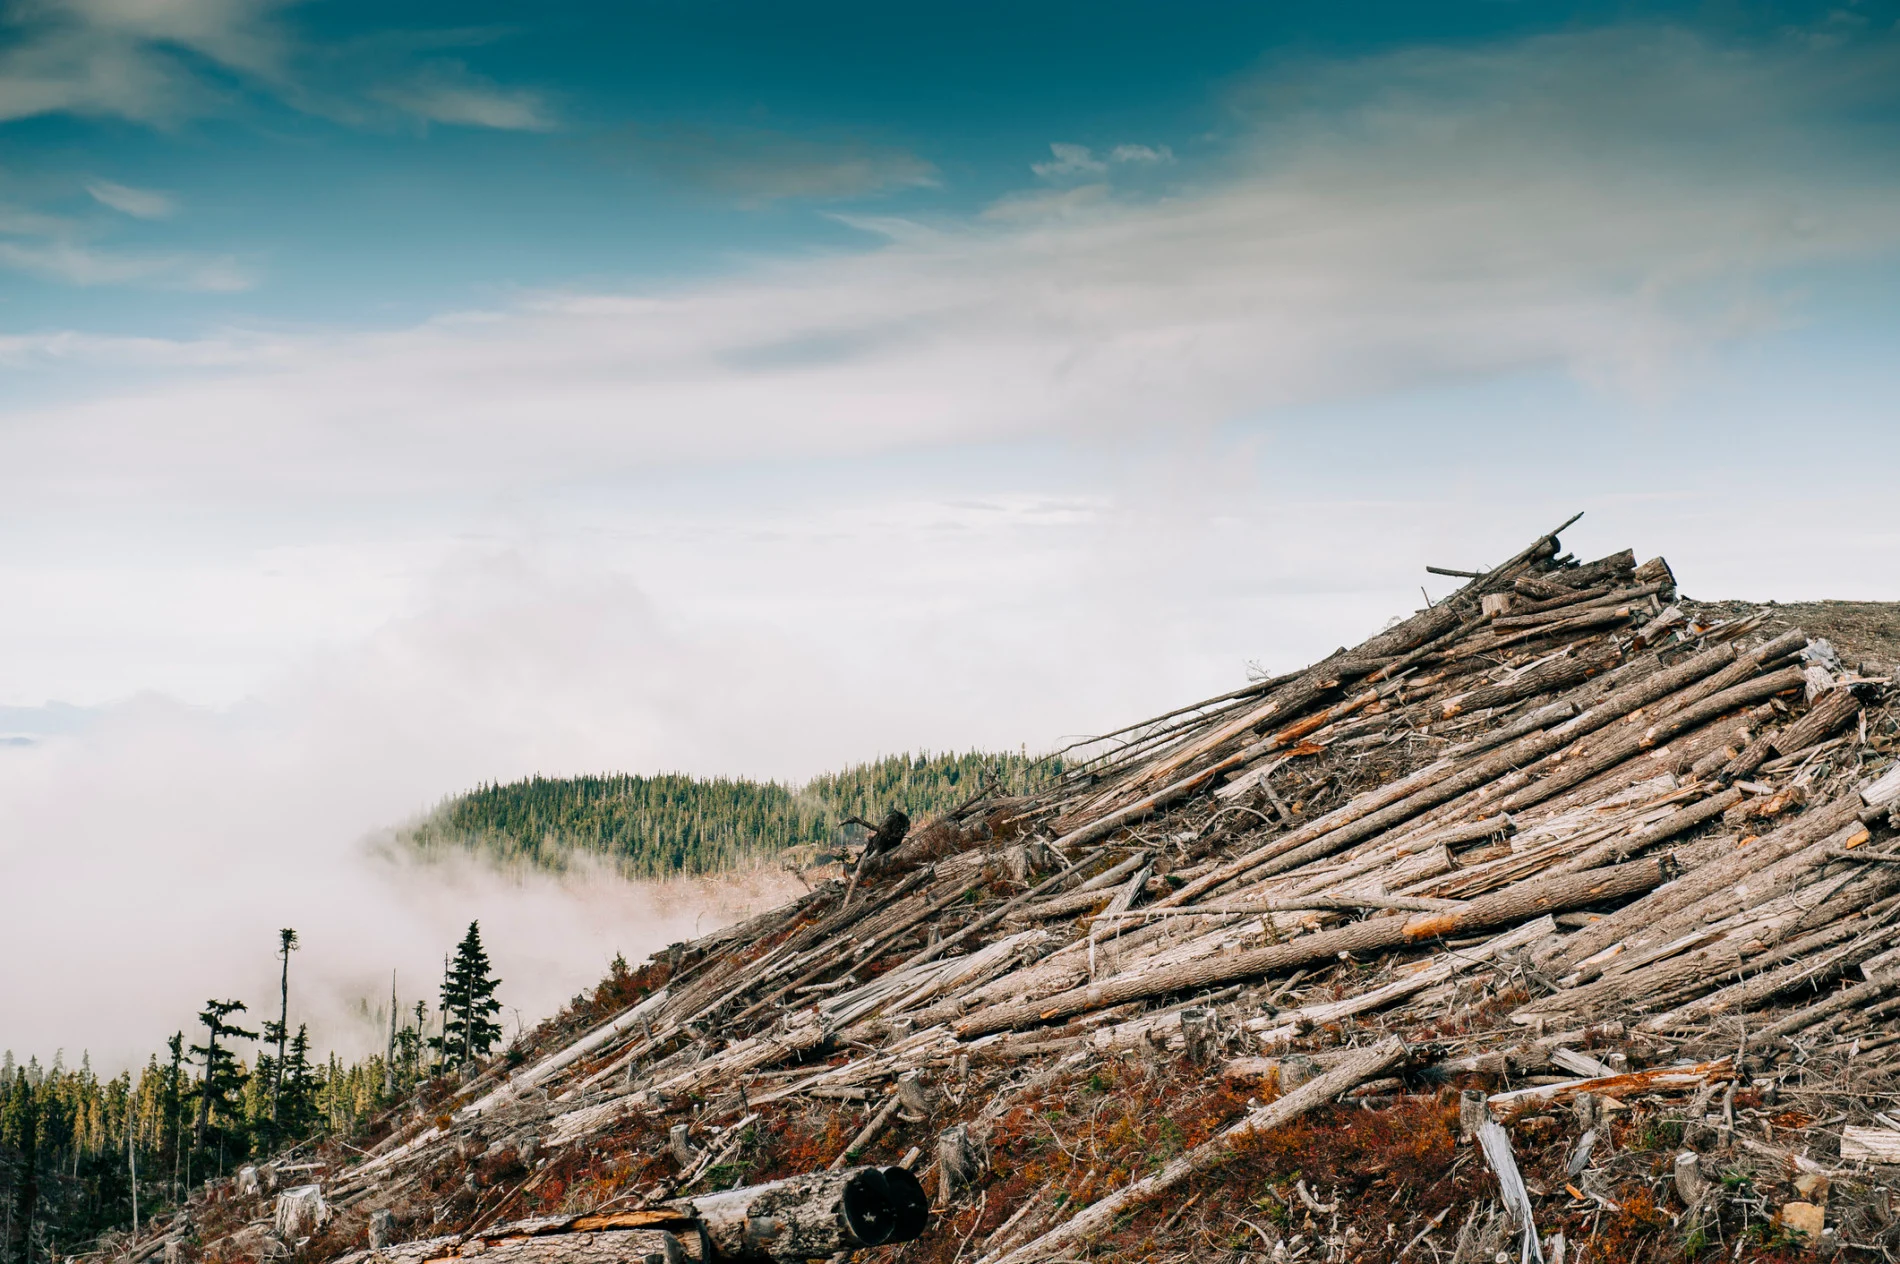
(83, 1155)
(666, 825)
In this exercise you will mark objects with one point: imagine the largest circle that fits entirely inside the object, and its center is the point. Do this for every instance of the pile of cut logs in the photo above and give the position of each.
(1556, 840)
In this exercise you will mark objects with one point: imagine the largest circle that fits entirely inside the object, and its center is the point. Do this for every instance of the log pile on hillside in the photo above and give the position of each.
(1557, 919)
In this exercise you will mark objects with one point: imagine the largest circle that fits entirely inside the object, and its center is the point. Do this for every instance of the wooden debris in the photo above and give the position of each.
(1590, 850)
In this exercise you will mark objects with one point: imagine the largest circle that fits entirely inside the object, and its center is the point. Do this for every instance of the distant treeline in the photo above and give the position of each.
(671, 824)
(70, 1141)
(81, 1155)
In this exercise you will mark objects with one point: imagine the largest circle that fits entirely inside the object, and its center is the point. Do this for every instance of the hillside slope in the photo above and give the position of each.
(1553, 921)
(671, 824)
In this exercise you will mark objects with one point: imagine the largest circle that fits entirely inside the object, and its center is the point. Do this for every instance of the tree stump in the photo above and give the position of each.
(958, 1161)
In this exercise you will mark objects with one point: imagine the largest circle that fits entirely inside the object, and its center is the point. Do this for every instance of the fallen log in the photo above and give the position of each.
(1656, 1080)
(600, 1246)
(1513, 904)
(818, 1213)
(1621, 847)
(1716, 876)
(1831, 712)
(1304, 845)
(1846, 998)
(1579, 768)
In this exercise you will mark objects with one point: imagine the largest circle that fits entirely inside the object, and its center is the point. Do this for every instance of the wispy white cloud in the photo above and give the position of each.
(448, 92)
(78, 264)
(145, 61)
(1069, 160)
(64, 249)
(1079, 160)
(19, 222)
(138, 203)
(132, 60)
(1430, 218)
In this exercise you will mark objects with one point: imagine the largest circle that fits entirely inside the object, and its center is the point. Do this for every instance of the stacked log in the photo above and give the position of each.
(1661, 822)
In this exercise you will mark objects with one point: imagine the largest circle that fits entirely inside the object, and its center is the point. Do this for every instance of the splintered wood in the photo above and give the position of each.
(1559, 837)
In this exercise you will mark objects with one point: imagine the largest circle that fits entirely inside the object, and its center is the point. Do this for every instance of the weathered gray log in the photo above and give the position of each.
(1362, 1065)
(990, 919)
(1686, 717)
(1513, 904)
(868, 1133)
(1658, 627)
(1085, 896)
(1621, 847)
(1862, 857)
(1412, 657)
(1575, 769)
(1795, 963)
(1615, 566)
(1299, 904)
(1583, 614)
(1576, 623)
(1690, 1183)
(1698, 884)
(1142, 808)
(1542, 718)
(1542, 588)
(1548, 612)
(1750, 891)
(823, 942)
(1831, 712)
(1558, 674)
(1654, 571)
(607, 1246)
(1358, 808)
(1846, 998)
(817, 1213)
(1280, 857)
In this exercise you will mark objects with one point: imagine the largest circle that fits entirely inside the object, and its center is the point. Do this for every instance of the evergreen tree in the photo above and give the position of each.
(409, 1048)
(286, 944)
(663, 825)
(172, 1103)
(223, 1075)
(468, 1003)
(297, 1088)
(20, 1128)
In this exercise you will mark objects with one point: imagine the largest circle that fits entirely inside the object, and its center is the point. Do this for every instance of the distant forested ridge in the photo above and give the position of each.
(671, 824)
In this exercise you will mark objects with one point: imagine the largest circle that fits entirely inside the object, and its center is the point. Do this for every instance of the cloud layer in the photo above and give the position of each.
(1432, 218)
(184, 837)
(162, 62)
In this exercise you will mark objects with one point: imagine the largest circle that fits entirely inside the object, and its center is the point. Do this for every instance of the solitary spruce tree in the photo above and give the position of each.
(468, 1003)
(222, 1076)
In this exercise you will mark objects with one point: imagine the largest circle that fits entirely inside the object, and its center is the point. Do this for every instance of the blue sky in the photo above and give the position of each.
(364, 163)
(398, 397)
